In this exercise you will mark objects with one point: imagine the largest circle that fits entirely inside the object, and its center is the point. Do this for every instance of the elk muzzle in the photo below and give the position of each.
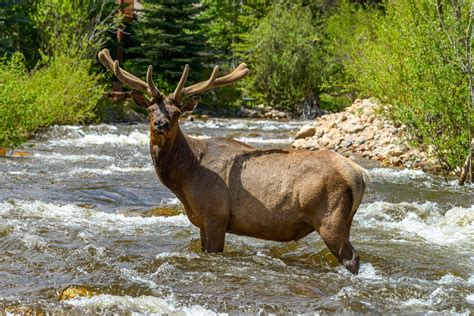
(161, 126)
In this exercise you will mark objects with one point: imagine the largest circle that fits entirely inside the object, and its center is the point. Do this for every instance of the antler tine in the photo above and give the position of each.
(239, 72)
(122, 75)
(238, 69)
(152, 89)
(182, 81)
(202, 86)
(133, 82)
(108, 62)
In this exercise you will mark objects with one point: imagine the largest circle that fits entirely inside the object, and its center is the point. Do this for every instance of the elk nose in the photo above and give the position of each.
(161, 125)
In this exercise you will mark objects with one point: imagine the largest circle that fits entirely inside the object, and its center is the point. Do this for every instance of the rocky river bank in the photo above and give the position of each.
(362, 131)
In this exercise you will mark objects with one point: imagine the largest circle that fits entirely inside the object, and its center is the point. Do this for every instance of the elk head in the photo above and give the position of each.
(166, 110)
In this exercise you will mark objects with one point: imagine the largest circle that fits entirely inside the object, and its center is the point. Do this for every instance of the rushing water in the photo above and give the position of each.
(75, 219)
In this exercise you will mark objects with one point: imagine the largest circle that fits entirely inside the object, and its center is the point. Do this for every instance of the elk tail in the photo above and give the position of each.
(358, 178)
(364, 179)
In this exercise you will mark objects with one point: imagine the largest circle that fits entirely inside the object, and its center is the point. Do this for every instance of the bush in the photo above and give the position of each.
(407, 61)
(64, 92)
(286, 59)
(15, 102)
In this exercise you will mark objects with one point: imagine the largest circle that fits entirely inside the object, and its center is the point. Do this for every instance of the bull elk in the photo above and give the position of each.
(230, 187)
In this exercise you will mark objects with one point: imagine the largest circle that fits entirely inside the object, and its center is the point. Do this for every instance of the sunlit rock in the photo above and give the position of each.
(21, 154)
(75, 291)
(306, 131)
(21, 310)
(164, 211)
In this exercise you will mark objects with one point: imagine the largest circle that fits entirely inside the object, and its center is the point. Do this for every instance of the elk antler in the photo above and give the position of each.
(127, 78)
(213, 82)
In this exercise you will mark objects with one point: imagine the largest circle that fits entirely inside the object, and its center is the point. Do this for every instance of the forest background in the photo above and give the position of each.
(413, 56)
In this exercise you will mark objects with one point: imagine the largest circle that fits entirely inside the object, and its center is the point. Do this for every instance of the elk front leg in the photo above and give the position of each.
(203, 239)
(214, 234)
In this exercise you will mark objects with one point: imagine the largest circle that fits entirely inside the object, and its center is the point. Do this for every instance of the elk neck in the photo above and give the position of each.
(177, 160)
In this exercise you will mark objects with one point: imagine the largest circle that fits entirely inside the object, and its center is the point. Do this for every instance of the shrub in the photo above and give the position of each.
(63, 92)
(286, 57)
(407, 60)
(15, 101)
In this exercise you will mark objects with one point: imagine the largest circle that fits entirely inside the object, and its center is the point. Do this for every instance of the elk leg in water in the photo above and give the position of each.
(214, 234)
(203, 239)
(334, 230)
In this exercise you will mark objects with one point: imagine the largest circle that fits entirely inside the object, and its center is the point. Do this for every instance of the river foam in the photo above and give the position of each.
(427, 221)
(141, 305)
(236, 124)
(136, 137)
(112, 169)
(76, 216)
(70, 157)
(397, 175)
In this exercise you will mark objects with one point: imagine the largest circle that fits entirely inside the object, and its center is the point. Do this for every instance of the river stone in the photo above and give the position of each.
(306, 131)
(356, 129)
(324, 142)
(74, 291)
(299, 143)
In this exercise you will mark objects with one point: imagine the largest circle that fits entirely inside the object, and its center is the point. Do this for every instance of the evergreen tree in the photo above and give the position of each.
(17, 30)
(228, 26)
(167, 36)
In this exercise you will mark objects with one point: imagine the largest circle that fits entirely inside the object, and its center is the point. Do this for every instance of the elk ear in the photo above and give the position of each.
(190, 105)
(140, 99)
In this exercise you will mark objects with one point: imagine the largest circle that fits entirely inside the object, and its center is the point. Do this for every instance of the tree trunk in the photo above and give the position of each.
(467, 175)
(309, 107)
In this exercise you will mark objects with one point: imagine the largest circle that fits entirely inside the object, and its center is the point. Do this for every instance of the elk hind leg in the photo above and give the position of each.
(334, 230)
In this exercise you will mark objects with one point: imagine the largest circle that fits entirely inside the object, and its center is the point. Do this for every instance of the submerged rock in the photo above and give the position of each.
(75, 291)
(166, 211)
(21, 154)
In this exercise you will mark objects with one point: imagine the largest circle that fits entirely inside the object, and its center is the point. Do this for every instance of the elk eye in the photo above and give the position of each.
(151, 108)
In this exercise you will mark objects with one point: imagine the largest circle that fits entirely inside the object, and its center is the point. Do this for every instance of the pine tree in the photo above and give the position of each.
(17, 32)
(167, 36)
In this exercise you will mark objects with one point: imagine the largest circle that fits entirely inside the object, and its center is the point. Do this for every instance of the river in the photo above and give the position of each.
(75, 219)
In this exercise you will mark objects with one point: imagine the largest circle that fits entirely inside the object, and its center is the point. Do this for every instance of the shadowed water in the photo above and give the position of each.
(76, 235)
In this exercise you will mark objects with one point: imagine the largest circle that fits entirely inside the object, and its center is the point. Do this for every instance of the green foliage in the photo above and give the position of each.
(14, 101)
(167, 36)
(17, 30)
(342, 29)
(65, 35)
(74, 27)
(64, 92)
(286, 61)
(227, 27)
(406, 58)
